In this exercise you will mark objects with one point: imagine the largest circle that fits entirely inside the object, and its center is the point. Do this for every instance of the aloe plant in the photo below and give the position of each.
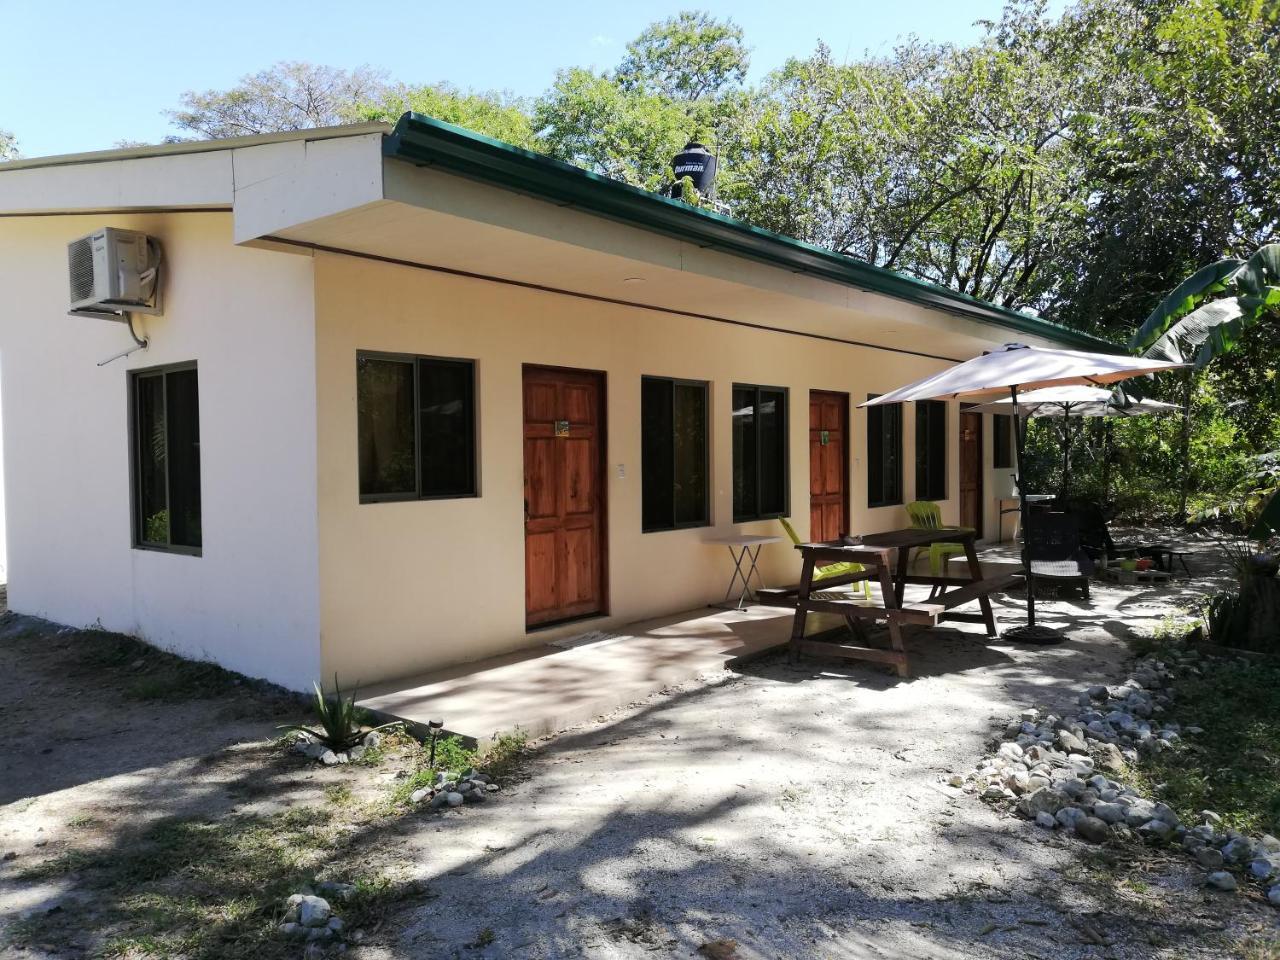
(340, 727)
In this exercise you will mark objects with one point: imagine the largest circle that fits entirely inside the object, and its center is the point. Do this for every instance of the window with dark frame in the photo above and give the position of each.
(165, 423)
(931, 450)
(884, 454)
(673, 454)
(416, 427)
(760, 463)
(1002, 441)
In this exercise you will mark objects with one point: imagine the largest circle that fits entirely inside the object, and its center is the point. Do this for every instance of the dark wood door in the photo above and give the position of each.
(828, 465)
(564, 541)
(971, 471)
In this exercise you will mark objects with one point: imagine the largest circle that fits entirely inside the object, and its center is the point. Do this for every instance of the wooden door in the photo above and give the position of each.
(828, 465)
(971, 471)
(564, 536)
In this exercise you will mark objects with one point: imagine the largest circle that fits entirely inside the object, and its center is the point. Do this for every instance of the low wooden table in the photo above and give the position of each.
(1112, 571)
(885, 557)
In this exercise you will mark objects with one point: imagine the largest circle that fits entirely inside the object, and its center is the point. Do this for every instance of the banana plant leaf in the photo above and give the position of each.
(1260, 271)
(1186, 296)
(1226, 336)
(1194, 329)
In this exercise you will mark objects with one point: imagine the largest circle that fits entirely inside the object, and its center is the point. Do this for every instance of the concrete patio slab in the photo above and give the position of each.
(549, 688)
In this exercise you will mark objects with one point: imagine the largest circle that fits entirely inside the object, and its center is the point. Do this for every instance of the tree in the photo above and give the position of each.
(8, 146)
(679, 81)
(688, 57)
(290, 95)
(497, 115)
(1205, 317)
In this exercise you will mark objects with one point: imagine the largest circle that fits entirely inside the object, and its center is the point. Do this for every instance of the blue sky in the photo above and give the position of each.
(83, 74)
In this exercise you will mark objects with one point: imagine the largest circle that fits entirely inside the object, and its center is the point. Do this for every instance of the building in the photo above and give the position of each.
(417, 397)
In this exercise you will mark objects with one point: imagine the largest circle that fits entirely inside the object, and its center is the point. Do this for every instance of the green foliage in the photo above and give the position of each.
(1219, 616)
(8, 146)
(1081, 165)
(340, 720)
(689, 57)
(496, 115)
(1233, 767)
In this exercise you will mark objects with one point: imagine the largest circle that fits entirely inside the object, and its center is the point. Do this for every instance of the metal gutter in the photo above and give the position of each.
(424, 141)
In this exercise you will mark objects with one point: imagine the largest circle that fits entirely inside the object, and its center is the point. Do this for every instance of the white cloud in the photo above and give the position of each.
(600, 40)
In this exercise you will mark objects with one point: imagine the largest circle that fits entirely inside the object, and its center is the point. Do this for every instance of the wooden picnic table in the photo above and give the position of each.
(885, 557)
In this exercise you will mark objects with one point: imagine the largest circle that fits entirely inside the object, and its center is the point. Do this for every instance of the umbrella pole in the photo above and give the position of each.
(1066, 451)
(1028, 633)
(1020, 449)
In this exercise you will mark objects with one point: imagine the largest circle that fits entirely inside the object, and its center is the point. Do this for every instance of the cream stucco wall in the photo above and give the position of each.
(246, 317)
(415, 585)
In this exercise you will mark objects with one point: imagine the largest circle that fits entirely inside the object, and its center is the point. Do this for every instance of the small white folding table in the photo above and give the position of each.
(745, 550)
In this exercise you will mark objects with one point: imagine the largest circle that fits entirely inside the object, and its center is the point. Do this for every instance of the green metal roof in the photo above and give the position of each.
(427, 142)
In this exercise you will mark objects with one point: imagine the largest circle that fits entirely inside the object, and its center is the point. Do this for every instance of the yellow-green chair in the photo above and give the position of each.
(926, 515)
(840, 569)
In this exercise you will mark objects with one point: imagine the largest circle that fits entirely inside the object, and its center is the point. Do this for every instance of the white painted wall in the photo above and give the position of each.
(251, 601)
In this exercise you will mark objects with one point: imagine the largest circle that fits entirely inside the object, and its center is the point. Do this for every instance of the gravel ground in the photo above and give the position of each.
(801, 812)
(774, 812)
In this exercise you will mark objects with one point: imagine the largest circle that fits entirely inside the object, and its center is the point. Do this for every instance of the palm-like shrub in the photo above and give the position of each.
(340, 727)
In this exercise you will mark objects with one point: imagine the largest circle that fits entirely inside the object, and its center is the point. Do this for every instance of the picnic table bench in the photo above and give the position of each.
(884, 557)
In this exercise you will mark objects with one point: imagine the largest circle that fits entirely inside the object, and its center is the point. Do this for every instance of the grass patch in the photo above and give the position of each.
(149, 674)
(340, 795)
(207, 890)
(501, 759)
(1233, 767)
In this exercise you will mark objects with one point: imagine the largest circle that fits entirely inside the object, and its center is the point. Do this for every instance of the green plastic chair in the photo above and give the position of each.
(927, 515)
(840, 569)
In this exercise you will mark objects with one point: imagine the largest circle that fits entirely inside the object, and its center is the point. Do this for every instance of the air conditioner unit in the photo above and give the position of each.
(114, 273)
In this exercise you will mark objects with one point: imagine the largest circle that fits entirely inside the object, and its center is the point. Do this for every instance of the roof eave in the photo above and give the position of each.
(427, 142)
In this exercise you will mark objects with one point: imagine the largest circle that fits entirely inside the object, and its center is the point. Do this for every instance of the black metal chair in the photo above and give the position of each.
(1055, 552)
(1094, 535)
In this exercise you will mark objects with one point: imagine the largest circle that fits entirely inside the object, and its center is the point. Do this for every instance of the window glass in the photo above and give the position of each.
(183, 416)
(673, 421)
(657, 464)
(447, 427)
(384, 409)
(152, 443)
(1002, 441)
(166, 458)
(884, 454)
(931, 450)
(416, 427)
(760, 462)
(690, 474)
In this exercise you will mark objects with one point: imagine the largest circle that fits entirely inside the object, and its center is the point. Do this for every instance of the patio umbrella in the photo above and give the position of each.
(1075, 401)
(1007, 371)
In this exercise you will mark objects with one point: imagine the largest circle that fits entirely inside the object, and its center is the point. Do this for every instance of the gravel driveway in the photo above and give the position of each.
(799, 812)
(774, 812)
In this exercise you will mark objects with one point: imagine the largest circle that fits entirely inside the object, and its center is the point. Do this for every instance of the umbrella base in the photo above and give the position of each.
(1037, 634)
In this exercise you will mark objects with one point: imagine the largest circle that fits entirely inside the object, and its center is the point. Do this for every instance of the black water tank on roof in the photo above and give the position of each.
(697, 163)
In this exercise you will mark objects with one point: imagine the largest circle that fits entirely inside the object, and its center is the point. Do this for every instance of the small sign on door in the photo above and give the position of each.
(824, 437)
(562, 428)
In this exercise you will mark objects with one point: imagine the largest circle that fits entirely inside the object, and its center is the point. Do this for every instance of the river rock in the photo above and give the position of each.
(1208, 858)
(1069, 742)
(1091, 829)
(1109, 812)
(1221, 880)
(1045, 799)
(313, 911)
